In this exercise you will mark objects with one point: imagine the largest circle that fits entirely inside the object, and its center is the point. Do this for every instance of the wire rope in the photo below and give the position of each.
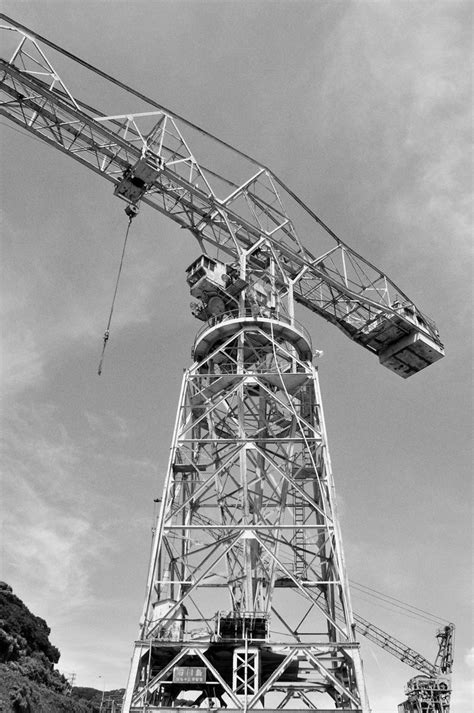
(382, 604)
(131, 214)
(399, 603)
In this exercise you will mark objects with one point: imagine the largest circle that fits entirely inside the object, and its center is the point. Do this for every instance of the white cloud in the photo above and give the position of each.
(49, 542)
(469, 657)
(398, 84)
(21, 361)
(109, 423)
(39, 449)
(463, 694)
(60, 524)
(49, 551)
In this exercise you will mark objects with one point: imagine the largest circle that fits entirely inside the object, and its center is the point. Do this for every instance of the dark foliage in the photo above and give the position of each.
(94, 697)
(20, 695)
(21, 632)
(29, 682)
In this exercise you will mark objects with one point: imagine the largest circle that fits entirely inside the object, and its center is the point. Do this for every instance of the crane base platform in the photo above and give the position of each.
(159, 709)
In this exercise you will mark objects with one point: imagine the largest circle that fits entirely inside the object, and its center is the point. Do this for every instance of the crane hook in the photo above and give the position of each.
(132, 210)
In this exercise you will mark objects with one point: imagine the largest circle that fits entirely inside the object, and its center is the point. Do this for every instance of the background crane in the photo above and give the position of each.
(431, 691)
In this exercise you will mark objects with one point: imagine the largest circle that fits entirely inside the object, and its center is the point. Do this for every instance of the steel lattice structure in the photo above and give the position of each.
(247, 603)
(249, 529)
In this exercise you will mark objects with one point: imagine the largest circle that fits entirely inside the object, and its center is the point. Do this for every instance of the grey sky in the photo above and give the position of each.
(363, 109)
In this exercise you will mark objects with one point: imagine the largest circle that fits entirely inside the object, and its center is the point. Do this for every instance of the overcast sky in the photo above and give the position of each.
(363, 109)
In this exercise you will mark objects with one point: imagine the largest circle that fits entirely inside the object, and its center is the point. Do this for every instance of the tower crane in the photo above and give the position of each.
(247, 601)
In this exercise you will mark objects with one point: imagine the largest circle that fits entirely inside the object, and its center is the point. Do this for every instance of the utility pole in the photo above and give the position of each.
(103, 693)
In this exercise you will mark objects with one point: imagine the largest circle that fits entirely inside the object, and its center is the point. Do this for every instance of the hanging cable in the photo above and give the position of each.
(131, 210)
(398, 603)
(383, 604)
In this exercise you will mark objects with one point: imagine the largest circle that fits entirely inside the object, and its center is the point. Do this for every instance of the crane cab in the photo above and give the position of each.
(216, 286)
(206, 275)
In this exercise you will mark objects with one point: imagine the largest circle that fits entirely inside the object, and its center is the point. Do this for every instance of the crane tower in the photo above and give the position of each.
(247, 573)
(247, 602)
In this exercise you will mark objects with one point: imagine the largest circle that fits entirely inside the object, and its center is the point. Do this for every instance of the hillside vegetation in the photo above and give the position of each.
(29, 683)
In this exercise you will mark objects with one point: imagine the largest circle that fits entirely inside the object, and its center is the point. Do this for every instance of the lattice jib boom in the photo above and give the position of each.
(225, 198)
